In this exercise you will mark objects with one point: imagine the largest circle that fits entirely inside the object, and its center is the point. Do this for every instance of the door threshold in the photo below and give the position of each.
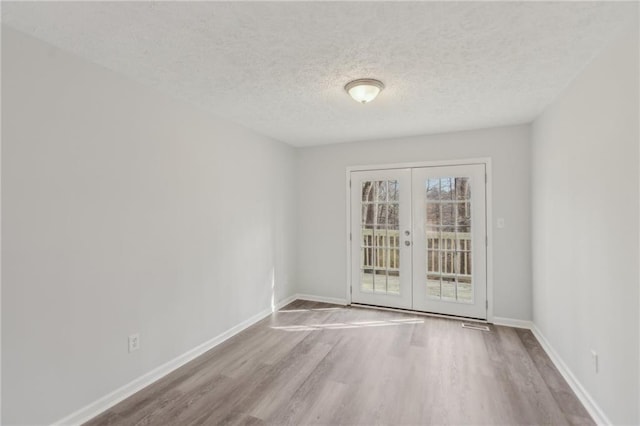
(426, 314)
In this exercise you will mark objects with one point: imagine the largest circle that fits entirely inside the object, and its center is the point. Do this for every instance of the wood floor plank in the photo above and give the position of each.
(315, 363)
(574, 410)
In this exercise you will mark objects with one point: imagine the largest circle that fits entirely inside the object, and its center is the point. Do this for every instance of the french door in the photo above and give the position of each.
(380, 220)
(418, 239)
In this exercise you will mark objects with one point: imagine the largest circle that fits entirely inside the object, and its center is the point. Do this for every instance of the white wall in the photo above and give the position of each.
(124, 211)
(322, 257)
(585, 228)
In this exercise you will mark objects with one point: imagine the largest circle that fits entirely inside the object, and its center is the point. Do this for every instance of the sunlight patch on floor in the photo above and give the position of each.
(309, 310)
(346, 325)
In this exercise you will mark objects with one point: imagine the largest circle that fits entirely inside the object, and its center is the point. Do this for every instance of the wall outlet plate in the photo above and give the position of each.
(134, 342)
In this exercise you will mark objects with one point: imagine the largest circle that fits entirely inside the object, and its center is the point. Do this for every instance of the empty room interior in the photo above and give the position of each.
(271, 213)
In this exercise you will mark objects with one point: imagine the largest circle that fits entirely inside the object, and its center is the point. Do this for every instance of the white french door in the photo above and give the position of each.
(418, 239)
(449, 240)
(380, 218)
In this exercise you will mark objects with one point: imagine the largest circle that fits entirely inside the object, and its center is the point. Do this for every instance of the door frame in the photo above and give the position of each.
(486, 161)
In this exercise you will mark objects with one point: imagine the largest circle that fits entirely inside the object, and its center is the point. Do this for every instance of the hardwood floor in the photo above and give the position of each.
(314, 363)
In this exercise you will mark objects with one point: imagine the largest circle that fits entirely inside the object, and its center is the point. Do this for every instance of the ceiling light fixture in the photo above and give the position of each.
(364, 90)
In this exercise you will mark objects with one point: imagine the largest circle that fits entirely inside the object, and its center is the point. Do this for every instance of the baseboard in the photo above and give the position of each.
(511, 322)
(594, 410)
(312, 298)
(284, 302)
(95, 408)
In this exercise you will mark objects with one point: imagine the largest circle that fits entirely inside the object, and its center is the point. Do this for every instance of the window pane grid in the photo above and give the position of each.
(380, 259)
(448, 224)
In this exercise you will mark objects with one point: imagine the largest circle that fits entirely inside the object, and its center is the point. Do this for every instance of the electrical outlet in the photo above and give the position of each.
(594, 357)
(134, 342)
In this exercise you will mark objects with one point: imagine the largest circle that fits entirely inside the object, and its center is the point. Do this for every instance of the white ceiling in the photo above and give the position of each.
(279, 68)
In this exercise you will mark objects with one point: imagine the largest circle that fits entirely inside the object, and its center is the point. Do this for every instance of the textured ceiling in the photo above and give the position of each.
(279, 68)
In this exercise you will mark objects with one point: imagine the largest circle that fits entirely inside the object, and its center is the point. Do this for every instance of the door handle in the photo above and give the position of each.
(407, 243)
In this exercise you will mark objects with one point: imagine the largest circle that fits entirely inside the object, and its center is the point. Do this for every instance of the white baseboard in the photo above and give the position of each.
(510, 322)
(594, 410)
(312, 298)
(93, 409)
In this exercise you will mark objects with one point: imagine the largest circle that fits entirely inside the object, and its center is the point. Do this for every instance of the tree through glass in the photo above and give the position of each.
(448, 228)
(380, 243)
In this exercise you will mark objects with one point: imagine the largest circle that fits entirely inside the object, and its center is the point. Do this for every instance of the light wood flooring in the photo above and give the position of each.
(314, 363)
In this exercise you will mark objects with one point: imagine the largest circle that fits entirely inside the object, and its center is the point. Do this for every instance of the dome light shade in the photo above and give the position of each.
(364, 90)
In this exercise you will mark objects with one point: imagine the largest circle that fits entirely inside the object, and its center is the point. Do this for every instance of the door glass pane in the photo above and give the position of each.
(367, 192)
(366, 280)
(433, 189)
(380, 284)
(462, 188)
(381, 214)
(380, 260)
(447, 188)
(448, 239)
(393, 282)
(368, 214)
(433, 214)
(448, 218)
(465, 293)
(448, 265)
(394, 193)
(463, 214)
(381, 191)
(449, 288)
(393, 219)
(433, 285)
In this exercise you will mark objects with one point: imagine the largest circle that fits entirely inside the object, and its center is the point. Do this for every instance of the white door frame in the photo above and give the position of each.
(489, 214)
